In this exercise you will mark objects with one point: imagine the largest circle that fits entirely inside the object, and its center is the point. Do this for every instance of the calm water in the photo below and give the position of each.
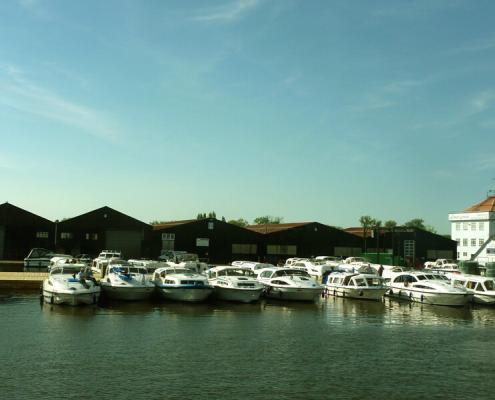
(339, 349)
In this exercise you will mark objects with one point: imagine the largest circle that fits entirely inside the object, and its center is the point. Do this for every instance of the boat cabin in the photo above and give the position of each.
(475, 283)
(229, 271)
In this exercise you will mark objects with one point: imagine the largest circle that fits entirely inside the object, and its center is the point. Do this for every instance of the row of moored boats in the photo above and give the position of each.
(184, 278)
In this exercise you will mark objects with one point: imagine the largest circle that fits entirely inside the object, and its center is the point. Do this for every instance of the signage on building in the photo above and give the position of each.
(470, 216)
(202, 242)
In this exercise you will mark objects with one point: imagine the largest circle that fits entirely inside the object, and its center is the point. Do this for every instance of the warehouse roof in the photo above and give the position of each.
(170, 224)
(269, 228)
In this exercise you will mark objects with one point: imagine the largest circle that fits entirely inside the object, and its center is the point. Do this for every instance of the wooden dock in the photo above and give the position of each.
(22, 280)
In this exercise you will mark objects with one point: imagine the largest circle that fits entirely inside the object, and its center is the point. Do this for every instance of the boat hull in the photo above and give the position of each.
(440, 299)
(293, 294)
(72, 299)
(357, 293)
(127, 293)
(237, 295)
(484, 299)
(190, 294)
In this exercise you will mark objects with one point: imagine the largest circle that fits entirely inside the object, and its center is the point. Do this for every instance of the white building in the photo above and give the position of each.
(474, 231)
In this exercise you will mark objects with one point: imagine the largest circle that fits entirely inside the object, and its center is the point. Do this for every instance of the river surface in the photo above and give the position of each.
(335, 349)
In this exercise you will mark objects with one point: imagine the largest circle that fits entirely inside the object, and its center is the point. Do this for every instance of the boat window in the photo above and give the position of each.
(360, 282)
(373, 281)
(479, 287)
(279, 282)
(430, 277)
(266, 274)
(169, 282)
(471, 285)
(490, 285)
(421, 277)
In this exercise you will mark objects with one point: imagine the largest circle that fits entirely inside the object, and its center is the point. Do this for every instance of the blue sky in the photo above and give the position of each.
(308, 110)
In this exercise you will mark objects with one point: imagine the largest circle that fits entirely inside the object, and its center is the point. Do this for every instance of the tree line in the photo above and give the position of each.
(367, 222)
(266, 219)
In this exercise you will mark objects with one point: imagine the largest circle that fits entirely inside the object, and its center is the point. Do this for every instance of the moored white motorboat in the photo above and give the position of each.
(123, 281)
(71, 284)
(289, 283)
(39, 259)
(185, 260)
(424, 287)
(181, 284)
(234, 284)
(101, 262)
(356, 285)
(481, 287)
(252, 265)
(317, 269)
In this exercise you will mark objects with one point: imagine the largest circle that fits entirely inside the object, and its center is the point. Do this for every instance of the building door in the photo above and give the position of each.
(128, 242)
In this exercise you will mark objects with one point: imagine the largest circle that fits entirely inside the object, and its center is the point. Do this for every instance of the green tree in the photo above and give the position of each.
(239, 222)
(390, 224)
(419, 223)
(267, 219)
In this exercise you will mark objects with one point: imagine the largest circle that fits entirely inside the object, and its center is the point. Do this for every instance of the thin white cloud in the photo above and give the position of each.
(227, 13)
(479, 45)
(385, 96)
(21, 94)
(482, 101)
(415, 8)
(485, 163)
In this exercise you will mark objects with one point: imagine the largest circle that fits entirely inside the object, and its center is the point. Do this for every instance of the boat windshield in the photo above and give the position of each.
(235, 272)
(120, 269)
(177, 271)
(428, 277)
(291, 272)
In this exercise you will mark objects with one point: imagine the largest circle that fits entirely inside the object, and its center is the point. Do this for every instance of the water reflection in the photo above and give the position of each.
(64, 310)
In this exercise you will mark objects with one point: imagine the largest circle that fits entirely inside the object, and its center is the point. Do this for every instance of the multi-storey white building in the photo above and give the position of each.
(474, 231)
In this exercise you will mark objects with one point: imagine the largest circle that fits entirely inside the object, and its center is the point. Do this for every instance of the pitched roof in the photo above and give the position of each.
(170, 224)
(359, 231)
(10, 213)
(105, 216)
(483, 206)
(269, 228)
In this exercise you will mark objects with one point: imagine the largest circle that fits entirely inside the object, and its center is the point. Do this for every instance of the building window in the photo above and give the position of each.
(281, 249)
(211, 225)
(481, 226)
(465, 225)
(458, 242)
(464, 242)
(457, 226)
(168, 236)
(464, 254)
(91, 236)
(238, 248)
(66, 235)
(473, 242)
(481, 242)
(42, 235)
(458, 255)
